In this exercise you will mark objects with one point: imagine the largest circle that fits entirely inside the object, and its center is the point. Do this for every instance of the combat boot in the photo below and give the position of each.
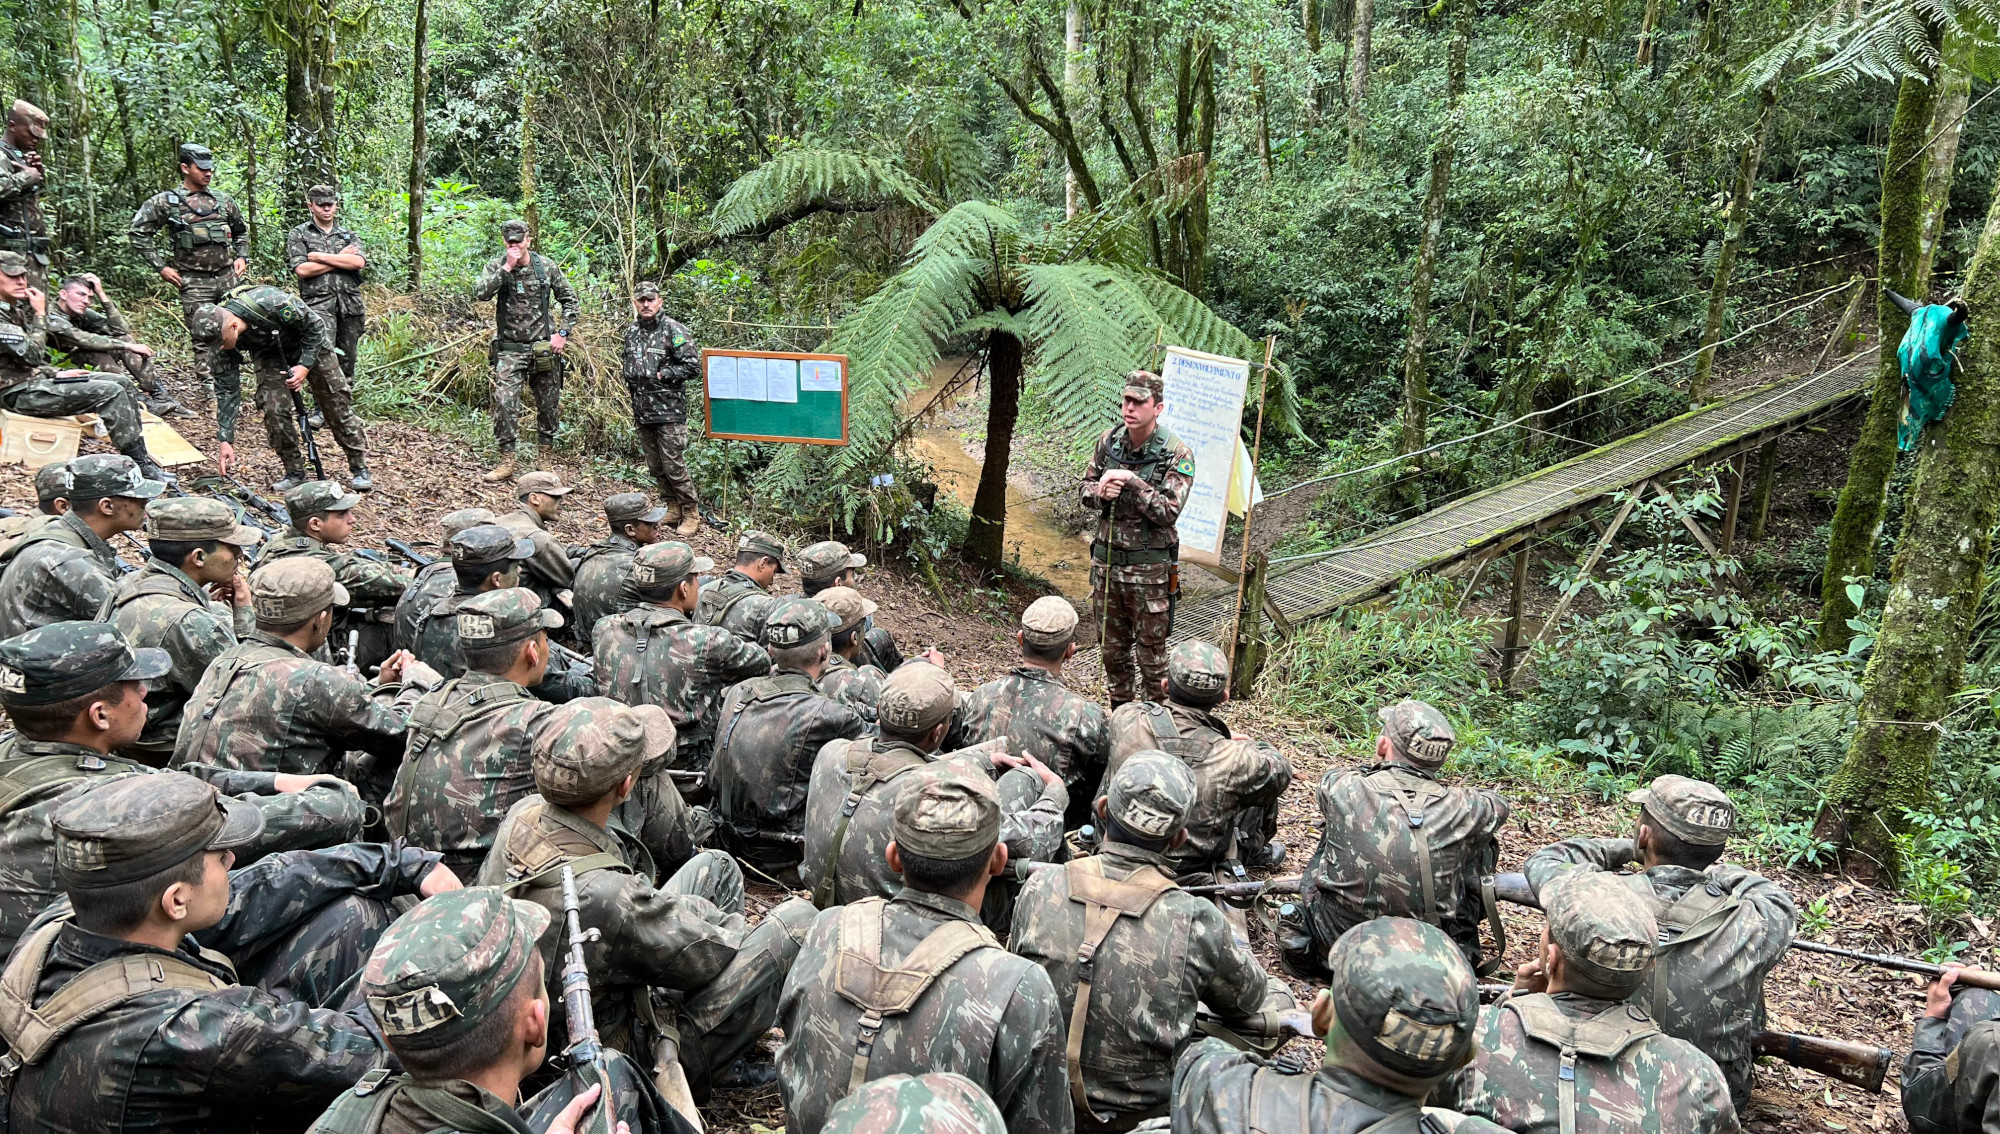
(163, 405)
(292, 479)
(148, 467)
(502, 471)
(690, 522)
(359, 480)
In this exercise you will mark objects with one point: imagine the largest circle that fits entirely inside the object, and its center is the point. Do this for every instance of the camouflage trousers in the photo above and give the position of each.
(118, 362)
(511, 371)
(330, 392)
(320, 962)
(344, 331)
(111, 397)
(1136, 617)
(198, 288)
(665, 447)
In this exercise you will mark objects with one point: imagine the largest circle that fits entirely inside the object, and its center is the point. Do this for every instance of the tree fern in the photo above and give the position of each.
(811, 179)
(1848, 42)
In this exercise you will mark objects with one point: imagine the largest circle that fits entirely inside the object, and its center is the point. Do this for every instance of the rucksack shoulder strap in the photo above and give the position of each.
(1604, 1036)
(1104, 901)
(879, 991)
(1387, 782)
(362, 1108)
(141, 587)
(30, 1032)
(550, 875)
(1280, 1101)
(860, 756)
(22, 779)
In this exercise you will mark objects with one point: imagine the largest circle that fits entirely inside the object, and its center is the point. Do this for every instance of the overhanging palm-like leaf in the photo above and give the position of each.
(1888, 40)
(806, 180)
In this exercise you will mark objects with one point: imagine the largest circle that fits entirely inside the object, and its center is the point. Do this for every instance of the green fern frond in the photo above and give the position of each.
(1192, 323)
(1088, 326)
(802, 179)
(972, 230)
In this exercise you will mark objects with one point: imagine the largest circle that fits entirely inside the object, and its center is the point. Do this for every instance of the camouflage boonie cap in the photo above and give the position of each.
(1048, 622)
(596, 742)
(109, 474)
(13, 264)
(453, 523)
(950, 817)
(1197, 673)
(1605, 931)
(632, 507)
(647, 289)
(52, 481)
(196, 519)
(323, 195)
(942, 1102)
(1151, 794)
(1694, 811)
(1403, 992)
(916, 699)
(546, 483)
(847, 606)
(69, 659)
(796, 622)
(662, 566)
(319, 496)
(513, 230)
(197, 155)
(764, 543)
(293, 589)
(1417, 732)
(827, 558)
(1144, 384)
(133, 827)
(484, 544)
(496, 618)
(440, 970)
(205, 325)
(747, 616)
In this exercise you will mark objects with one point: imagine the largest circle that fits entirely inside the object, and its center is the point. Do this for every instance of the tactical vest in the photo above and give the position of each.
(1104, 901)
(1601, 1039)
(1684, 923)
(866, 768)
(535, 859)
(24, 777)
(1167, 735)
(862, 980)
(53, 529)
(1281, 1103)
(164, 586)
(538, 270)
(365, 1106)
(1151, 465)
(720, 597)
(1412, 802)
(201, 237)
(436, 720)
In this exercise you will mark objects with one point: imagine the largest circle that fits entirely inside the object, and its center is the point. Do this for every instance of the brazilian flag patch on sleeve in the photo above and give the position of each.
(1184, 466)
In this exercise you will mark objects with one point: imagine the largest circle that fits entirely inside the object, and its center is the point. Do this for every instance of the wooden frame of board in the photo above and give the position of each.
(708, 406)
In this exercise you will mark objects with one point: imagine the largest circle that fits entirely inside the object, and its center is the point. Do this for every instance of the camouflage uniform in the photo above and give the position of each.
(434, 582)
(208, 235)
(23, 228)
(937, 1103)
(30, 385)
(1039, 715)
(550, 569)
(767, 734)
(746, 619)
(1396, 843)
(1627, 1074)
(660, 356)
(676, 954)
(858, 687)
(279, 332)
(1139, 546)
(96, 340)
(370, 583)
(62, 571)
(1723, 929)
(492, 548)
(719, 595)
(1235, 814)
(335, 296)
(958, 1002)
(602, 572)
(197, 1052)
(523, 325)
(1132, 956)
(1951, 1079)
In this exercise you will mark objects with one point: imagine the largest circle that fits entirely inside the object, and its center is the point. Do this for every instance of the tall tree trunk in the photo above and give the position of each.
(1857, 518)
(1648, 24)
(1934, 585)
(120, 95)
(225, 50)
(985, 538)
(1947, 127)
(1263, 105)
(1732, 241)
(1072, 82)
(1416, 382)
(1309, 18)
(420, 153)
(80, 98)
(530, 211)
(311, 141)
(1361, 38)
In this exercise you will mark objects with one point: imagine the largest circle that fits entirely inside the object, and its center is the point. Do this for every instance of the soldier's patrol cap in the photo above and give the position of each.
(941, 1102)
(51, 481)
(1417, 732)
(439, 971)
(647, 289)
(133, 827)
(662, 566)
(322, 194)
(205, 324)
(1150, 794)
(796, 622)
(950, 816)
(1694, 811)
(36, 118)
(1145, 384)
(290, 590)
(546, 483)
(320, 496)
(763, 543)
(13, 264)
(482, 544)
(917, 698)
(109, 474)
(196, 519)
(197, 155)
(1049, 621)
(848, 607)
(596, 742)
(1404, 994)
(497, 618)
(456, 522)
(1604, 929)
(513, 230)
(1197, 673)
(633, 507)
(69, 659)
(827, 558)
(747, 616)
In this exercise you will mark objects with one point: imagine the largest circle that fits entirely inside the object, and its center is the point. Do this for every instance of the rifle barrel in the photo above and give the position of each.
(584, 1047)
(305, 430)
(1969, 977)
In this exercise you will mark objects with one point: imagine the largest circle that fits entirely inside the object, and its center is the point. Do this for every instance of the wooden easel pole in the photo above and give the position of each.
(1249, 506)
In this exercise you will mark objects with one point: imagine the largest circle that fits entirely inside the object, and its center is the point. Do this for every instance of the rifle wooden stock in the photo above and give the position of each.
(1857, 1064)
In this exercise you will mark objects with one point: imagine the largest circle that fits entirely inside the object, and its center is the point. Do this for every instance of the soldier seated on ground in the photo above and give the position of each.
(1401, 1016)
(1394, 842)
(746, 619)
(770, 729)
(322, 515)
(432, 582)
(1951, 1079)
(676, 957)
(550, 570)
(1236, 810)
(51, 501)
(64, 570)
(829, 564)
(102, 341)
(1132, 957)
(145, 864)
(604, 569)
(1037, 713)
(79, 699)
(1722, 927)
(463, 1068)
(914, 983)
(853, 683)
(937, 1103)
(488, 557)
(1569, 1049)
(760, 559)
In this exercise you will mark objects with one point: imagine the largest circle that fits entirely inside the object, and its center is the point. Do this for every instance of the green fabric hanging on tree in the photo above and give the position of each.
(1926, 354)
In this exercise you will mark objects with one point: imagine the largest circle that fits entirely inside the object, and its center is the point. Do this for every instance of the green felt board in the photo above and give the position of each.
(816, 416)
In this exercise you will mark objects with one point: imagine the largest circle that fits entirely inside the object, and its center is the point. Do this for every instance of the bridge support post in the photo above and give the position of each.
(1510, 654)
(1760, 500)
(1739, 469)
(1247, 655)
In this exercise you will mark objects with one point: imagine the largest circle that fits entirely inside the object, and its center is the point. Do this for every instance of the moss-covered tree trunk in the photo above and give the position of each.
(1732, 240)
(1416, 380)
(1858, 517)
(1934, 586)
(1947, 127)
(1361, 40)
(420, 153)
(985, 538)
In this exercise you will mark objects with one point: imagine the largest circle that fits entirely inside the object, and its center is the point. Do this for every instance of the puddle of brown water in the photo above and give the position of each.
(1034, 538)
